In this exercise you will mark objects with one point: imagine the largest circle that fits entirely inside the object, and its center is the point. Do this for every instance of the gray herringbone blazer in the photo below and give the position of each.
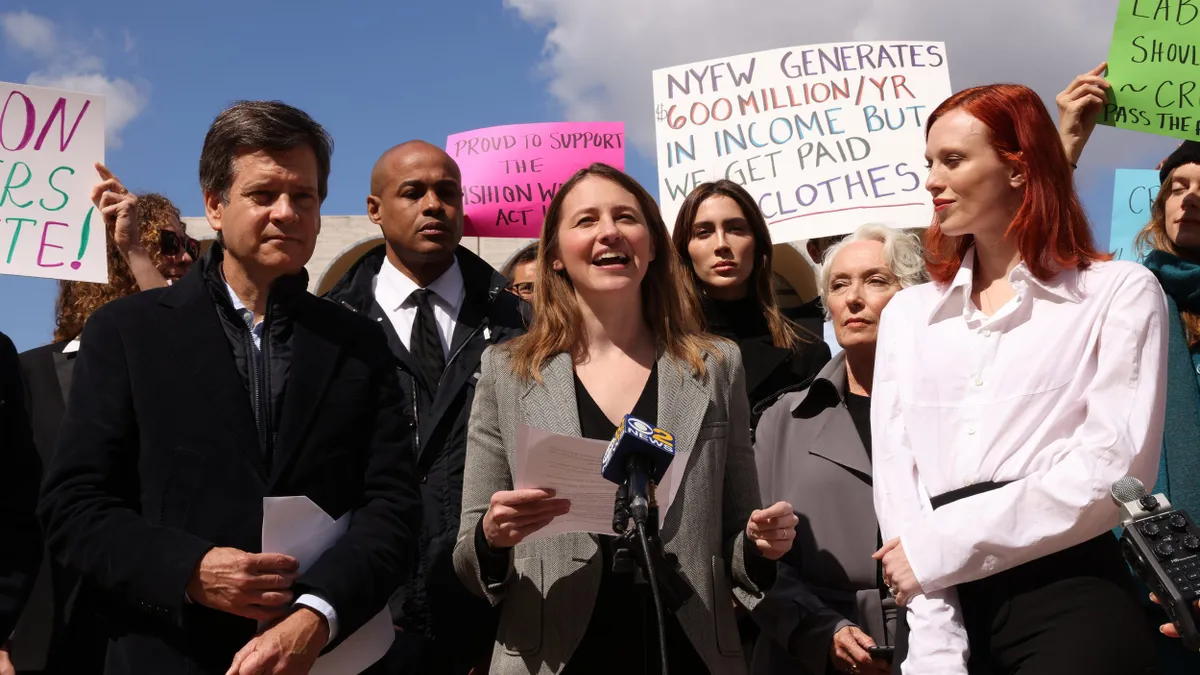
(552, 583)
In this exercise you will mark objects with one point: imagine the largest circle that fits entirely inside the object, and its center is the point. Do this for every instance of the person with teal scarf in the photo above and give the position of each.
(1172, 238)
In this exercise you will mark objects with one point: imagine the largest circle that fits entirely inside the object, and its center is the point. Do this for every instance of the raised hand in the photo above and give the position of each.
(773, 529)
(1079, 105)
(118, 206)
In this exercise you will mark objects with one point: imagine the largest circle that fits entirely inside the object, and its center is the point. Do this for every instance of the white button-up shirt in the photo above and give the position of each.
(1062, 391)
(393, 292)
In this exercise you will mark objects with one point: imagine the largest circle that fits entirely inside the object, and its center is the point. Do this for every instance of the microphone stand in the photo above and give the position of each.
(661, 569)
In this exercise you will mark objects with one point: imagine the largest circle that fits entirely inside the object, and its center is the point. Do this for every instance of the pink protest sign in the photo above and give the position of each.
(510, 173)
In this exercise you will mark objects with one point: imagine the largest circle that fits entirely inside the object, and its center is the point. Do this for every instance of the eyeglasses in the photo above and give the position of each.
(172, 244)
(523, 289)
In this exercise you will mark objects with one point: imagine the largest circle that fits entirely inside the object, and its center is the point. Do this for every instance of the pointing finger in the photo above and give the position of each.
(272, 562)
(886, 549)
(776, 510)
(513, 497)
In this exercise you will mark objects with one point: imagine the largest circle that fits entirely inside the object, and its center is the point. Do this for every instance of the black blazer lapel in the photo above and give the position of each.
(314, 360)
(760, 359)
(209, 366)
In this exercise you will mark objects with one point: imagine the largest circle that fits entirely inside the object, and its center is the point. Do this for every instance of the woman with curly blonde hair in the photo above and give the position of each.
(161, 240)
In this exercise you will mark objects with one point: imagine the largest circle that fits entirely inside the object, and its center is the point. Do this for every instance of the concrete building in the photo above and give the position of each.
(344, 239)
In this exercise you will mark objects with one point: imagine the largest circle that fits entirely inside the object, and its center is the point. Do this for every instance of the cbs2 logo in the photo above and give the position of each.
(655, 433)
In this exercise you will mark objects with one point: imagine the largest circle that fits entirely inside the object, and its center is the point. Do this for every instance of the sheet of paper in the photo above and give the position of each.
(570, 466)
(296, 526)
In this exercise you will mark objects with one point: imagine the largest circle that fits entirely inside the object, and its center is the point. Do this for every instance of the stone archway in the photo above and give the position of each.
(795, 280)
(343, 261)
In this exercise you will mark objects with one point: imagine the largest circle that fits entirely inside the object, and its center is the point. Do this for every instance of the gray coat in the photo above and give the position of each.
(809, 454)
(552, 583)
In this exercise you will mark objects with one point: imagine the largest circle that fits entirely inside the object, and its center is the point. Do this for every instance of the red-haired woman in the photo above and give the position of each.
(1009, 394)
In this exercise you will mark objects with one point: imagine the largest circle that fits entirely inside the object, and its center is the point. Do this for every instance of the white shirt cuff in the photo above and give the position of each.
(319, 605)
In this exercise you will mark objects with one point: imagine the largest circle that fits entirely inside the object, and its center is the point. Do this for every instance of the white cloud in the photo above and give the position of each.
(599, 55)
(123, 100)
(29, 33)
(66, 64)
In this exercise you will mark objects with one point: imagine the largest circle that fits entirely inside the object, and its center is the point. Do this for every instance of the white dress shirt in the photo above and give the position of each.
(1062, 391)
(393, 292)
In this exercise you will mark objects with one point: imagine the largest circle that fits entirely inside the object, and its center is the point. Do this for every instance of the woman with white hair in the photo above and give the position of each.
(813, 449)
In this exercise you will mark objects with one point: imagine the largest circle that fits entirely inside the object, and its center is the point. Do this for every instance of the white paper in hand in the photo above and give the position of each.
(296, 526)
(570, 466)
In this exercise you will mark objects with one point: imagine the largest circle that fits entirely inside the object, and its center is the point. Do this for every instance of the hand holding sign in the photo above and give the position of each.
(1153, 68)
(119, 208)
(1079, 105)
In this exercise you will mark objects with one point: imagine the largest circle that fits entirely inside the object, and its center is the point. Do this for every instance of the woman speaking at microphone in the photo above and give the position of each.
(1008, 396)
(615, 332)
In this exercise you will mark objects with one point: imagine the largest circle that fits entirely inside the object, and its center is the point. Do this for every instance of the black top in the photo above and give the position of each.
(21, 550)
(860, 411)
(769, 369)
(621, 635)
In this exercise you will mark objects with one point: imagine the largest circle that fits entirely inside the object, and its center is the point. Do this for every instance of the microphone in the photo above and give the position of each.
(1162, 545)
(638, 454)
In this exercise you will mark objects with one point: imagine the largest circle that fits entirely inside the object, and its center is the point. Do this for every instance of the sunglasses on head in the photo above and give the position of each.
(173, 244)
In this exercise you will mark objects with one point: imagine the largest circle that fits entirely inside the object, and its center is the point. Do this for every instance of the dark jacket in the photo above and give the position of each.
(56, 633)
(434, 602)
(20, 472)
(809, 454)
(161, 458)
(770, 370)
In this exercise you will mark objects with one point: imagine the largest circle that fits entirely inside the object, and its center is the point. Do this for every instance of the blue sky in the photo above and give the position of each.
(379, 73)
(373, 74)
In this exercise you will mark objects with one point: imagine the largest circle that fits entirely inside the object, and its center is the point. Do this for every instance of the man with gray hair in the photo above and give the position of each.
(813, 449)
(192, 403)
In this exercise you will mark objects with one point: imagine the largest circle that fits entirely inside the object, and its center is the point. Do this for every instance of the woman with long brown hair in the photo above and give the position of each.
(723, 242)
(615, 332)
(1009, 395)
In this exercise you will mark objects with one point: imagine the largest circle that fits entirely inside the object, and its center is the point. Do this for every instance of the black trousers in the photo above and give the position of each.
(1069, 612)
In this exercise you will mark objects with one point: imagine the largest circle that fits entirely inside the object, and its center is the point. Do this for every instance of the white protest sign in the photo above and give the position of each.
(49, 142)
(824, 137)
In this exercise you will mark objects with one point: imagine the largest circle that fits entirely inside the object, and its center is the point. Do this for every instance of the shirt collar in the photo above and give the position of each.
(393, 289)
(72, 347)
(827, 390)
(956, 297)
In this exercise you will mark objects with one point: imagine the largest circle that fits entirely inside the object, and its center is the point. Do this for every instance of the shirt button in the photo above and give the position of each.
(987, 332)
(970, 431)
(979, 380)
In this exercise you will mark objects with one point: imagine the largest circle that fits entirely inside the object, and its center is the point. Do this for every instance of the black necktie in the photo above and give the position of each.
(426, 343)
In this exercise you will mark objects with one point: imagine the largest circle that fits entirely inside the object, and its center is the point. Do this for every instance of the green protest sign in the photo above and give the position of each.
(1154, 68)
